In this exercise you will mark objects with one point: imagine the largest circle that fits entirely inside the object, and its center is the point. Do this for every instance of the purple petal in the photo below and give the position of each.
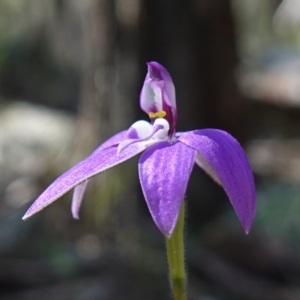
(164, 171)
(91, 166)
(78, 194)
(229, 163)
(202, 163)
(80, 189)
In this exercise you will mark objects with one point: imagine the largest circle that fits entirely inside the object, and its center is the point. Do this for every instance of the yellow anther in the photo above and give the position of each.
(159, 114)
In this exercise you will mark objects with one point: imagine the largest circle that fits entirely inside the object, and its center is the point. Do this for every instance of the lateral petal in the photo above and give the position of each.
(91, 166)
(229, 163)
(80, 189)
(78, 194)
(164, 171)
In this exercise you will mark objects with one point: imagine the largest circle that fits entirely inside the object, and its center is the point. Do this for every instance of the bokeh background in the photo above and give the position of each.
(70, 76)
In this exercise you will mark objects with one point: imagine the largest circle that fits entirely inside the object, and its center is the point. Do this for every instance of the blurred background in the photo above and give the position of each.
(70, 76)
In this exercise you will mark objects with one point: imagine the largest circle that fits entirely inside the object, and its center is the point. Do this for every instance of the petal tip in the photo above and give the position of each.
(166, 229)
(247, 226)
(27, 215)
(75, 215)
(167, 232)
(247, 229)
(121, 147)
(154, 70)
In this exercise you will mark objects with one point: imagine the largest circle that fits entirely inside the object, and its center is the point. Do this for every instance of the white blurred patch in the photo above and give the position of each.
(274, 78)
(33, 140)
(128, 11)
(275, 158)
(20, 191)
(287, 15)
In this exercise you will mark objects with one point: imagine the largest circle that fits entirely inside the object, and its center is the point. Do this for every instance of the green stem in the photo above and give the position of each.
(175, 253)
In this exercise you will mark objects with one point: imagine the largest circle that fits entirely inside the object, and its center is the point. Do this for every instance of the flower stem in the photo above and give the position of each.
(175, 253)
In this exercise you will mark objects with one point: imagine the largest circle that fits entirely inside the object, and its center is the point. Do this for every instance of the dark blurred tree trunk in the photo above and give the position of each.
(108, 105)
(109, 67)
(195, 39)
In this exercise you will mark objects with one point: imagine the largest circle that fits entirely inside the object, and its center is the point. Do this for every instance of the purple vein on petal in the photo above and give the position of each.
(228, 160)
(91, 166)
(164, 171)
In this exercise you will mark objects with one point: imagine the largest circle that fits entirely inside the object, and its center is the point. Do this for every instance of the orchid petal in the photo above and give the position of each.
(229, 163)
(202, 163)
(81, 188)
(78, 194)
(164, 171)
(91, 166)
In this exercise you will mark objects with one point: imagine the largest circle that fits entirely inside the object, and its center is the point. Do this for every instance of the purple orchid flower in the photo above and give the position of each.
(167, 161)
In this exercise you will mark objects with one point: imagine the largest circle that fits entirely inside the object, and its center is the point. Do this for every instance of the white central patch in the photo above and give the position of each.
(161, 134)
(143, 128)
(144, 133)
(151, 96)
